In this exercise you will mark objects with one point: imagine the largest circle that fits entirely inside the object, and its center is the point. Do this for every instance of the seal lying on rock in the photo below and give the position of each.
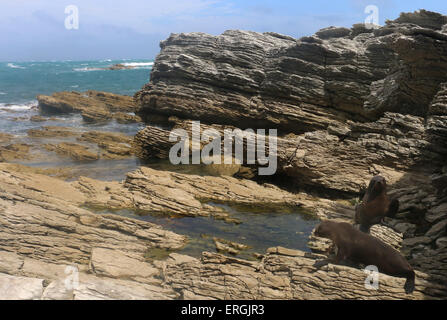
(360, 247)
(375, 205)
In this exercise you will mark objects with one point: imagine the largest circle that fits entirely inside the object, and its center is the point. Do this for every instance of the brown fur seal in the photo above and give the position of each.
(375, 205)
(360, 247)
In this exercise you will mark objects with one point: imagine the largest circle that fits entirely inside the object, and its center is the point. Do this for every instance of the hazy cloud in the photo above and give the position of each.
(32, 29)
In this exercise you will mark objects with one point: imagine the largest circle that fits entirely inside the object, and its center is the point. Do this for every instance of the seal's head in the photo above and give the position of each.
(323, 229)
(377, 185)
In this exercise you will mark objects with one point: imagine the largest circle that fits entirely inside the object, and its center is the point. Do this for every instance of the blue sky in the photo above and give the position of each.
(115, 29)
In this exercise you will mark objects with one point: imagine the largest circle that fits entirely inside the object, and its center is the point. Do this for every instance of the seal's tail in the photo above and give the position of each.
(409, 284)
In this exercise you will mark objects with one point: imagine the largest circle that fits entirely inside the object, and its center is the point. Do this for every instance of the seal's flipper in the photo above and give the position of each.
(362, 192)
(357, 213)
(393, 208)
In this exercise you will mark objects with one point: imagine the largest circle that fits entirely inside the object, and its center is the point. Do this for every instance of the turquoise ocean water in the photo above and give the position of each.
(20, 82)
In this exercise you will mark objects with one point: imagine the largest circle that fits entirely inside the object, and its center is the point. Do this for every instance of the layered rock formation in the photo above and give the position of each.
(95, 106)
(269, 80)
(356, 99)
(53, 247)
(173, 193)
(109, 145)
(348, 104)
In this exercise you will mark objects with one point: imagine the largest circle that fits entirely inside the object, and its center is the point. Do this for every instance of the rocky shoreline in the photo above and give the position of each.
(110, 252)
(348, 104)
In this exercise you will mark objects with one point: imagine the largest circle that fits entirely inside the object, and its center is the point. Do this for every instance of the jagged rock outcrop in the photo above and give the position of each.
(51, 132)
(73, 150)
(348, 104)
(47, 229)
(282, 274)
(109, 145)
(340, 158)
(95, 106)
(167, 192)
(119, 66)
(42, 218)
(112, 145)
(266, 80)
(359, 103)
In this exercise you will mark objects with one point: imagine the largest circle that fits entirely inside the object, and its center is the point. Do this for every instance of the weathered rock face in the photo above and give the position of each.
(184, 194)
(282, 274)
(95, 106)
(119, 66)
(348, 103)
(269, 80)
(341, 158)
(15, 151)
(51, 132)
(360, 101)
(73, 150)
(111, 145)
(47, 229)
(42, 218)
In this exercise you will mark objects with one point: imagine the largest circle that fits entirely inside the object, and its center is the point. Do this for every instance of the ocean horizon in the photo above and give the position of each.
(21, 82)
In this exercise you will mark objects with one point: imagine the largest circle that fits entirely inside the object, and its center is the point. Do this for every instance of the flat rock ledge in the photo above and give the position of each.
(282, 274)
(94, 106)
(43, 218)
(174, 193)
(52, 247)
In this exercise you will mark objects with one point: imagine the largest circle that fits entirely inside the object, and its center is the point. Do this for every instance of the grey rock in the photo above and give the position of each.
(416, 241)
(437, 230)
(355, 98)
(441, 242)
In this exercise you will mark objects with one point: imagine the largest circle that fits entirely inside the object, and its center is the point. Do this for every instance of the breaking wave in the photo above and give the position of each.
(138, 64)
(18, 107)
(13, 66)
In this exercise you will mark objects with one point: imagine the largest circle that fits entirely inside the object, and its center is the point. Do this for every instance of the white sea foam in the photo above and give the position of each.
(12, 65)
(3, 93)
(18, 106)
(138, 64)
(85, 69)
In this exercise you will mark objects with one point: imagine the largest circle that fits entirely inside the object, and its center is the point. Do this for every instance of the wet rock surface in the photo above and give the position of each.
(94, 106)
(51, 132)
(183, 194)
(73, 150)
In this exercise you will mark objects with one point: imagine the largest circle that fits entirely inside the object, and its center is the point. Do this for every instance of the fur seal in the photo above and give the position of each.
(375, 205)
(363, 248)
